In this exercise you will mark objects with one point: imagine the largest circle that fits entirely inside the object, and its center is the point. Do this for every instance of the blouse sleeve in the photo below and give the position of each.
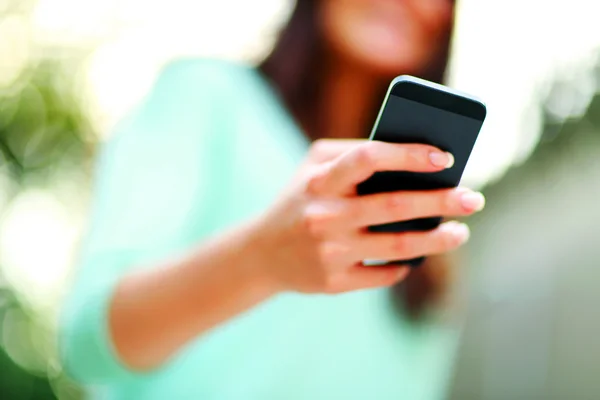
(156, 184)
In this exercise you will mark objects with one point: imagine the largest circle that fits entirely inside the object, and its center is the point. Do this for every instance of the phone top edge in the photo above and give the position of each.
(436, 86)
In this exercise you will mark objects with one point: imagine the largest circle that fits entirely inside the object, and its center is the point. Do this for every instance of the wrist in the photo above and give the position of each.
(255, 258)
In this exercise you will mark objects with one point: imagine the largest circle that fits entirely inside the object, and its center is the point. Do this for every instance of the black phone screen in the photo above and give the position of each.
(449, 122)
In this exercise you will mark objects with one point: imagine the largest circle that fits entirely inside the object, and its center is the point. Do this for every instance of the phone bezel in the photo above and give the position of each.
(434, 95)
(438, 96)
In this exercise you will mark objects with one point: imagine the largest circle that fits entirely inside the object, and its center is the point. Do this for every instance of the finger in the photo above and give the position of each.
(331, 215)
(353, 167)
(361, 277)
(408, 245)
(324, 150)
(382, 208)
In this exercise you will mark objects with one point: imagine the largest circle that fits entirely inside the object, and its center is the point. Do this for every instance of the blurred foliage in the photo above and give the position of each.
(15, 382)
(42, 126)
(43, 134)
(44, 137)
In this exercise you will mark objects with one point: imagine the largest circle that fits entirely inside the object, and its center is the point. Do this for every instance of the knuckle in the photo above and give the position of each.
(319, 148)
(366, 155)
(418, 156)
(398, 201)
(330, 252)
(446, 202)
(314, 223)
(323, 255)
(428, 149)
(401, 244)
(315, 181)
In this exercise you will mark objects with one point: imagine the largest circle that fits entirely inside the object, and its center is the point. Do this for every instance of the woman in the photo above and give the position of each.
(205, 276)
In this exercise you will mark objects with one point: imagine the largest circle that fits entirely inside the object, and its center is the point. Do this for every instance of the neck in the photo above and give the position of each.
(349, 95)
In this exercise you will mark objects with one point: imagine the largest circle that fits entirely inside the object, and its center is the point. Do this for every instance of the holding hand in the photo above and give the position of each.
(315, 238)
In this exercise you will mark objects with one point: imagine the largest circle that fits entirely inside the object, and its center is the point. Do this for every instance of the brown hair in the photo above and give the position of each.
(294, 69)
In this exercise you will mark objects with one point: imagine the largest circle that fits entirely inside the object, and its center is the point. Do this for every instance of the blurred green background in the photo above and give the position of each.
(70, 69)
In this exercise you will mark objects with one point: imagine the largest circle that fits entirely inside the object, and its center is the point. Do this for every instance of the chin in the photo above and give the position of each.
(391, 68)
(403, 62)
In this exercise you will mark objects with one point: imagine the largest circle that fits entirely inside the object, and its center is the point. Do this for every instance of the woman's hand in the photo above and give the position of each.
(315, 238)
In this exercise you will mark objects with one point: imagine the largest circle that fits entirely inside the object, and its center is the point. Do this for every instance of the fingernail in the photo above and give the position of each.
(440, 160)
(458, 230)
(472, 201)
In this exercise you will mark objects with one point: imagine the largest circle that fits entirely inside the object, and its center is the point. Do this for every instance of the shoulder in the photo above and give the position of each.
(187, 93)
(199, 77)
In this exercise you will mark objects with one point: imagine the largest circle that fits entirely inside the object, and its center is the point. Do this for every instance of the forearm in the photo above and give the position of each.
(156, 311)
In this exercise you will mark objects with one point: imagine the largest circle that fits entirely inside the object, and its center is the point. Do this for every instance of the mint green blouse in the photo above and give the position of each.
(212, 145)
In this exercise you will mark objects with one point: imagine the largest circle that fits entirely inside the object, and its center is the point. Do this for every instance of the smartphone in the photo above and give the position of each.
(418, 111)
